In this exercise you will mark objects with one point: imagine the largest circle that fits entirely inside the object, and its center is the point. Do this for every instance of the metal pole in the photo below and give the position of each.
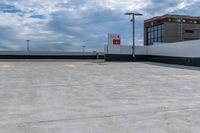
(133, 20)
(97, 55)
(133, 47)
(83, 48)
(28, 47)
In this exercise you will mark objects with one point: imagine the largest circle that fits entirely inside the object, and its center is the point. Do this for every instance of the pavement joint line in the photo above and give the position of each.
(23, 124)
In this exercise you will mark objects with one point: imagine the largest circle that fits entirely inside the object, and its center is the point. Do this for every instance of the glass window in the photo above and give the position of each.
(162, 39)
(156, 33)
(162, 26)
(151, 29)
(149, 41)
(163, 32)
(159, 33)
(159, 39)
(155, 40)
(148, 36)
(151, 35)
(148, 29)
(154, 28)
(157, 27)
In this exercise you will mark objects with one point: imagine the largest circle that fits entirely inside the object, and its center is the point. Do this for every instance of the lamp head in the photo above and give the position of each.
(129, 13)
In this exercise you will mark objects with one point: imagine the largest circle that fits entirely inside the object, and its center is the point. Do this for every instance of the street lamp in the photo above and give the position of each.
(28, 47)
(133, 20)
(83, 48)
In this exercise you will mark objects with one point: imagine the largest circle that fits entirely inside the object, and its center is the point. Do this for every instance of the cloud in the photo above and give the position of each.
(38, 16)
(9, 9)
(8, 36)
(69, 24)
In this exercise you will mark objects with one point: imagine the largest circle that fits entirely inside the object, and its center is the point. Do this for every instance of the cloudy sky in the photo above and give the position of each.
(70, 24)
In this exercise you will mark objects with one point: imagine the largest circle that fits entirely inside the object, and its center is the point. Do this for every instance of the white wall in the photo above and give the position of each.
(179, 49)
(112, 49)
(141, 50)
(125, 50)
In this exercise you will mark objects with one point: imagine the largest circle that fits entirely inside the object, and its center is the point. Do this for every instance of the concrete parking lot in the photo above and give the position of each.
(98, 97)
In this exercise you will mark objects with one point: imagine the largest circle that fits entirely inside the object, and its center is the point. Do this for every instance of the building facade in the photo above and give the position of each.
(171, 28)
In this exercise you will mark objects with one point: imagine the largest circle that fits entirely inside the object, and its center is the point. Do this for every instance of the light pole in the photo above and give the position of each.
(133, 20)
(28, 47)
(83, 47)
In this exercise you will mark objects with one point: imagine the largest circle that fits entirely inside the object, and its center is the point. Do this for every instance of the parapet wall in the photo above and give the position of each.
(185, 53)
(179, 49)
(50, 55)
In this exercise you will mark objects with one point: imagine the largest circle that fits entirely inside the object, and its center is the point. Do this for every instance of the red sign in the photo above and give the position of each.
(116, 41)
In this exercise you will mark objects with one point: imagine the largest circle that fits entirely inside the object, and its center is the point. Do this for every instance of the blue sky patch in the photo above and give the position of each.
(9, 9)
(38, 16)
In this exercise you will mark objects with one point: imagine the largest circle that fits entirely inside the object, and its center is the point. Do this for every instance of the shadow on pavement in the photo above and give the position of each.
(52, 60)
(174, 66)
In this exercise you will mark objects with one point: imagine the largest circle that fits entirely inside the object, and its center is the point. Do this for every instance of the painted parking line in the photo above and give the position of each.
(70, 66)
(6, 66)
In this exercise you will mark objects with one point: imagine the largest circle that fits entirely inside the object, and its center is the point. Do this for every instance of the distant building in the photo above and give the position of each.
(171, 28)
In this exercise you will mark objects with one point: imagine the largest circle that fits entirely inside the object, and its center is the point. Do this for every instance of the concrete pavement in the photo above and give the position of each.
(98, 97)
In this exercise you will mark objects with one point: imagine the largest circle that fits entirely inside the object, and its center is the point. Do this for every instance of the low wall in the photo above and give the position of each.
(124, 53)
(124, 50)
(50, 55)
(184, 53)
(189, 49)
